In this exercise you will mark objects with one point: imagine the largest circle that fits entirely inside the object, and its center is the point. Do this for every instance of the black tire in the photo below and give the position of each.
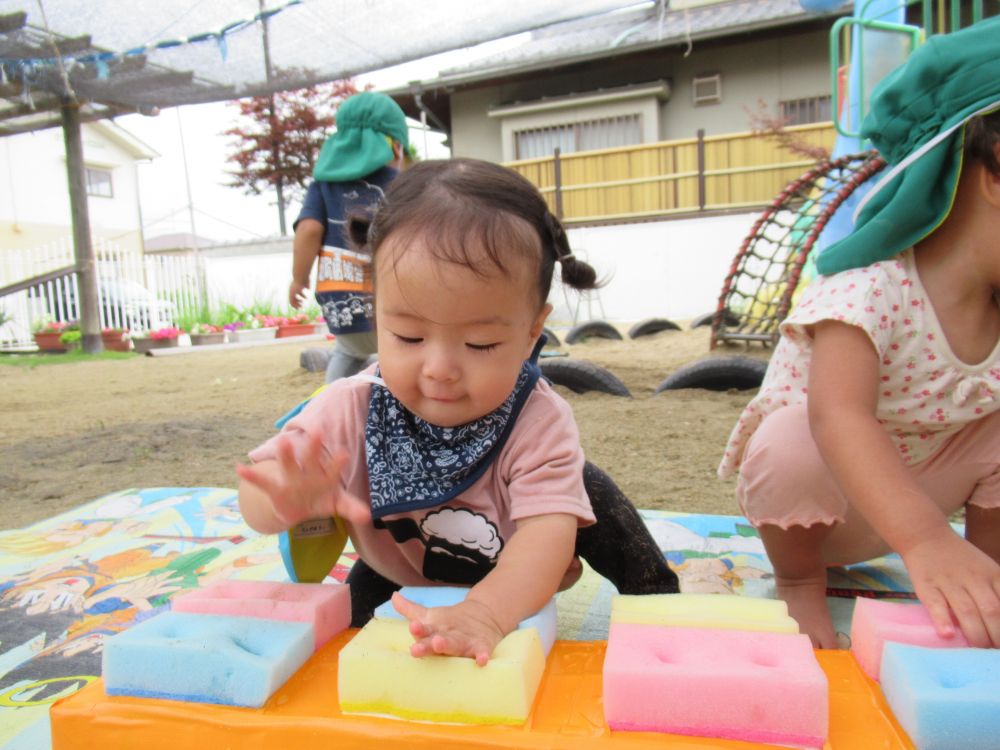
(730, 319)
(592, 329)
(314, 359)
(550, 338)
(580, 376)
(651, 326)
(717, 374)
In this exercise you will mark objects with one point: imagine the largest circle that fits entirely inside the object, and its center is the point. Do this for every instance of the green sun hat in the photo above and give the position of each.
(917, 123)
(359, 145)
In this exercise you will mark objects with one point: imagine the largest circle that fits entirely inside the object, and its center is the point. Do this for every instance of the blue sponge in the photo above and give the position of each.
(236, 661)
(544, 621)
(945, 699)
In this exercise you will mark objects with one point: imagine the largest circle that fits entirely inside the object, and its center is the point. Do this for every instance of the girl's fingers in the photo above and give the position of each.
(940, 614)
(258, 479)
(987, 604)
(415, 613)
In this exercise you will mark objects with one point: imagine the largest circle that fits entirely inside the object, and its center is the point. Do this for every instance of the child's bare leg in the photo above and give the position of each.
(800, 577)
(982, 528)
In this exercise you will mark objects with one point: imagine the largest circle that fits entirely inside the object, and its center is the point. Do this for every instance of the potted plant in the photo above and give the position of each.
(71, 340)
(47, 333)
(296, 325)
(253, 328)
(116, 339)
(161, 338)
(203, 334)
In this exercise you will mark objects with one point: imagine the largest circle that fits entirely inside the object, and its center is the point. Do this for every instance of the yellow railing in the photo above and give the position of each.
(738, 170)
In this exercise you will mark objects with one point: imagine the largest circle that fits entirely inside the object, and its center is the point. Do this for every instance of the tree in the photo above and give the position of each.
(278, 138)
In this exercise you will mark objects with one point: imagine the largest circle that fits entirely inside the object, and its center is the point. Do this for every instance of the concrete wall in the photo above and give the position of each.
(662, 269)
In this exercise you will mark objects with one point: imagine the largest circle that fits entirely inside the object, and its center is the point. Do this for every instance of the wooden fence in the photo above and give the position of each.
(705, 173)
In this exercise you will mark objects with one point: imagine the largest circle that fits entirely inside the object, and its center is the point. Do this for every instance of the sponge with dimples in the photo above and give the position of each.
(945, 699)
(544, 621)
(327, 607)
(749, 685)
(876, 622)
(376, 674)
(704, 611)
(238, 661)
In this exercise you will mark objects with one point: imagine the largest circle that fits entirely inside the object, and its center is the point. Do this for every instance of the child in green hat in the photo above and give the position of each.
(879, 416)
(354, 168)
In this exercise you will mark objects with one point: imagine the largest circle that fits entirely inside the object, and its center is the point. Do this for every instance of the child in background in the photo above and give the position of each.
(354, 167)
(878, 417)
(453, 462)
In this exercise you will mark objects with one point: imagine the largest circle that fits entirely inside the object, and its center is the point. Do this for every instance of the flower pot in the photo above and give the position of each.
(144, 345)
(49, 342)
(243, 335)
(205, 339)
(115, 340)
(295, 329)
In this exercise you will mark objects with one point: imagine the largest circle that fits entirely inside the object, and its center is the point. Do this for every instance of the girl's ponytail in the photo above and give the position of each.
(574, 272)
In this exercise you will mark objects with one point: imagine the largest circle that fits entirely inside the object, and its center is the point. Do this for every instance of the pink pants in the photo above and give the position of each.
(784, 481)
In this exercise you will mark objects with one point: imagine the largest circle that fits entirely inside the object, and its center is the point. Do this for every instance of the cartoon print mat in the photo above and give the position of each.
(69, 581)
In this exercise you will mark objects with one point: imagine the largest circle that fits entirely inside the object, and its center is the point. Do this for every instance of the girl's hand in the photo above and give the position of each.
(957, 582)
(465, 629)
(300, 490)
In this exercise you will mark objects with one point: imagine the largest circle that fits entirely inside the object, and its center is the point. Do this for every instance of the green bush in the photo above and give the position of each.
(71, 339)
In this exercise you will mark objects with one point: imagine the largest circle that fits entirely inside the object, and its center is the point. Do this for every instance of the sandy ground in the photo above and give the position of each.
(75, 432)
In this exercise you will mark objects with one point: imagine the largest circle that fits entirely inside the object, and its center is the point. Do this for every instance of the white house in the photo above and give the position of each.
(34, 192)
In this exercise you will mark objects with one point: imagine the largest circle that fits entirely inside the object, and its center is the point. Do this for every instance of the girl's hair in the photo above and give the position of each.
(466, 207)
(982, 134)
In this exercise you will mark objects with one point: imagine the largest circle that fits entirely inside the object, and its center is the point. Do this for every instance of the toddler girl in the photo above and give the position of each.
(453, 462)
(878, 417)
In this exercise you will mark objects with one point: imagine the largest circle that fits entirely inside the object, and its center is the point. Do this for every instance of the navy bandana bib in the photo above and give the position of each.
(413, 464)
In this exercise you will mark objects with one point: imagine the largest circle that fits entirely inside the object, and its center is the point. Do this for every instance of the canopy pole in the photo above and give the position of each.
(90, 317)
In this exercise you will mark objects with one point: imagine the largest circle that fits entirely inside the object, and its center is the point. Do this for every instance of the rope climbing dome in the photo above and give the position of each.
(760, 288)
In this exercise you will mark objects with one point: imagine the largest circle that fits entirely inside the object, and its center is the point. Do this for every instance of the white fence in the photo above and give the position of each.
(134, 291)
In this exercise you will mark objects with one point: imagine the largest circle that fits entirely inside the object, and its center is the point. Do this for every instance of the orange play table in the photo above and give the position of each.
(304, 713)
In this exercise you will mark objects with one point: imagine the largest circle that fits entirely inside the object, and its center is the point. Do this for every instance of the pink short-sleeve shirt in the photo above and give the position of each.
(539, 471)
(927, 394)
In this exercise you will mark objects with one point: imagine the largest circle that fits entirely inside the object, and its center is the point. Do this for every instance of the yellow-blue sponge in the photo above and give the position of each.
(237, 661)
(945, 699)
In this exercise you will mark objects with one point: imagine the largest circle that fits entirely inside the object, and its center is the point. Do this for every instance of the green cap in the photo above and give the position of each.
(358, 147)
(917, 123)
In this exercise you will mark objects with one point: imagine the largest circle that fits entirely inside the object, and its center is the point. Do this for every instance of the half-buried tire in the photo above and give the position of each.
(597, 329)
(730, 319)
(550, 338)
(717, 374)
(651, 326)
(581, 376)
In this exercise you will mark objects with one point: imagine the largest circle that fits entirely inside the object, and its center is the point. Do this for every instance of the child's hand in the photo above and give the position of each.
(465, 629)
(953, 577)
(310, 488)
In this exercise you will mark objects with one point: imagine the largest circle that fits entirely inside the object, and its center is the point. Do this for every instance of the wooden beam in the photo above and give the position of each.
(12, 21)
(44, 49)
(144, 83)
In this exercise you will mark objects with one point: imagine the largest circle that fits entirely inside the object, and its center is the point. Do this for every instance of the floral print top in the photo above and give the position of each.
(927, 393)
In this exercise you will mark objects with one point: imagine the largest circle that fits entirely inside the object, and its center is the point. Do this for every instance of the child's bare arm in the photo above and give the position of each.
(948, 573)
(277, 494)
(528, 574)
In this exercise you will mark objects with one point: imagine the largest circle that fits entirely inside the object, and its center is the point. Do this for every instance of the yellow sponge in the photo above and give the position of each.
(704, 611)
(378, 675)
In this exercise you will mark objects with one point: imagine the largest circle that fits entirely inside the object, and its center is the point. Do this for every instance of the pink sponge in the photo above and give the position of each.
(749, 685)
(327, 607)
(876, 622)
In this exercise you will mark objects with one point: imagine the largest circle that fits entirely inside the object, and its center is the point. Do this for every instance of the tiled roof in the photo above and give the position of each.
(626, 31)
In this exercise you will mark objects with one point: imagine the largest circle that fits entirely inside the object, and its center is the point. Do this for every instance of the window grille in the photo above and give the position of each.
(99, 182)
(606, 132)
(805, 111)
